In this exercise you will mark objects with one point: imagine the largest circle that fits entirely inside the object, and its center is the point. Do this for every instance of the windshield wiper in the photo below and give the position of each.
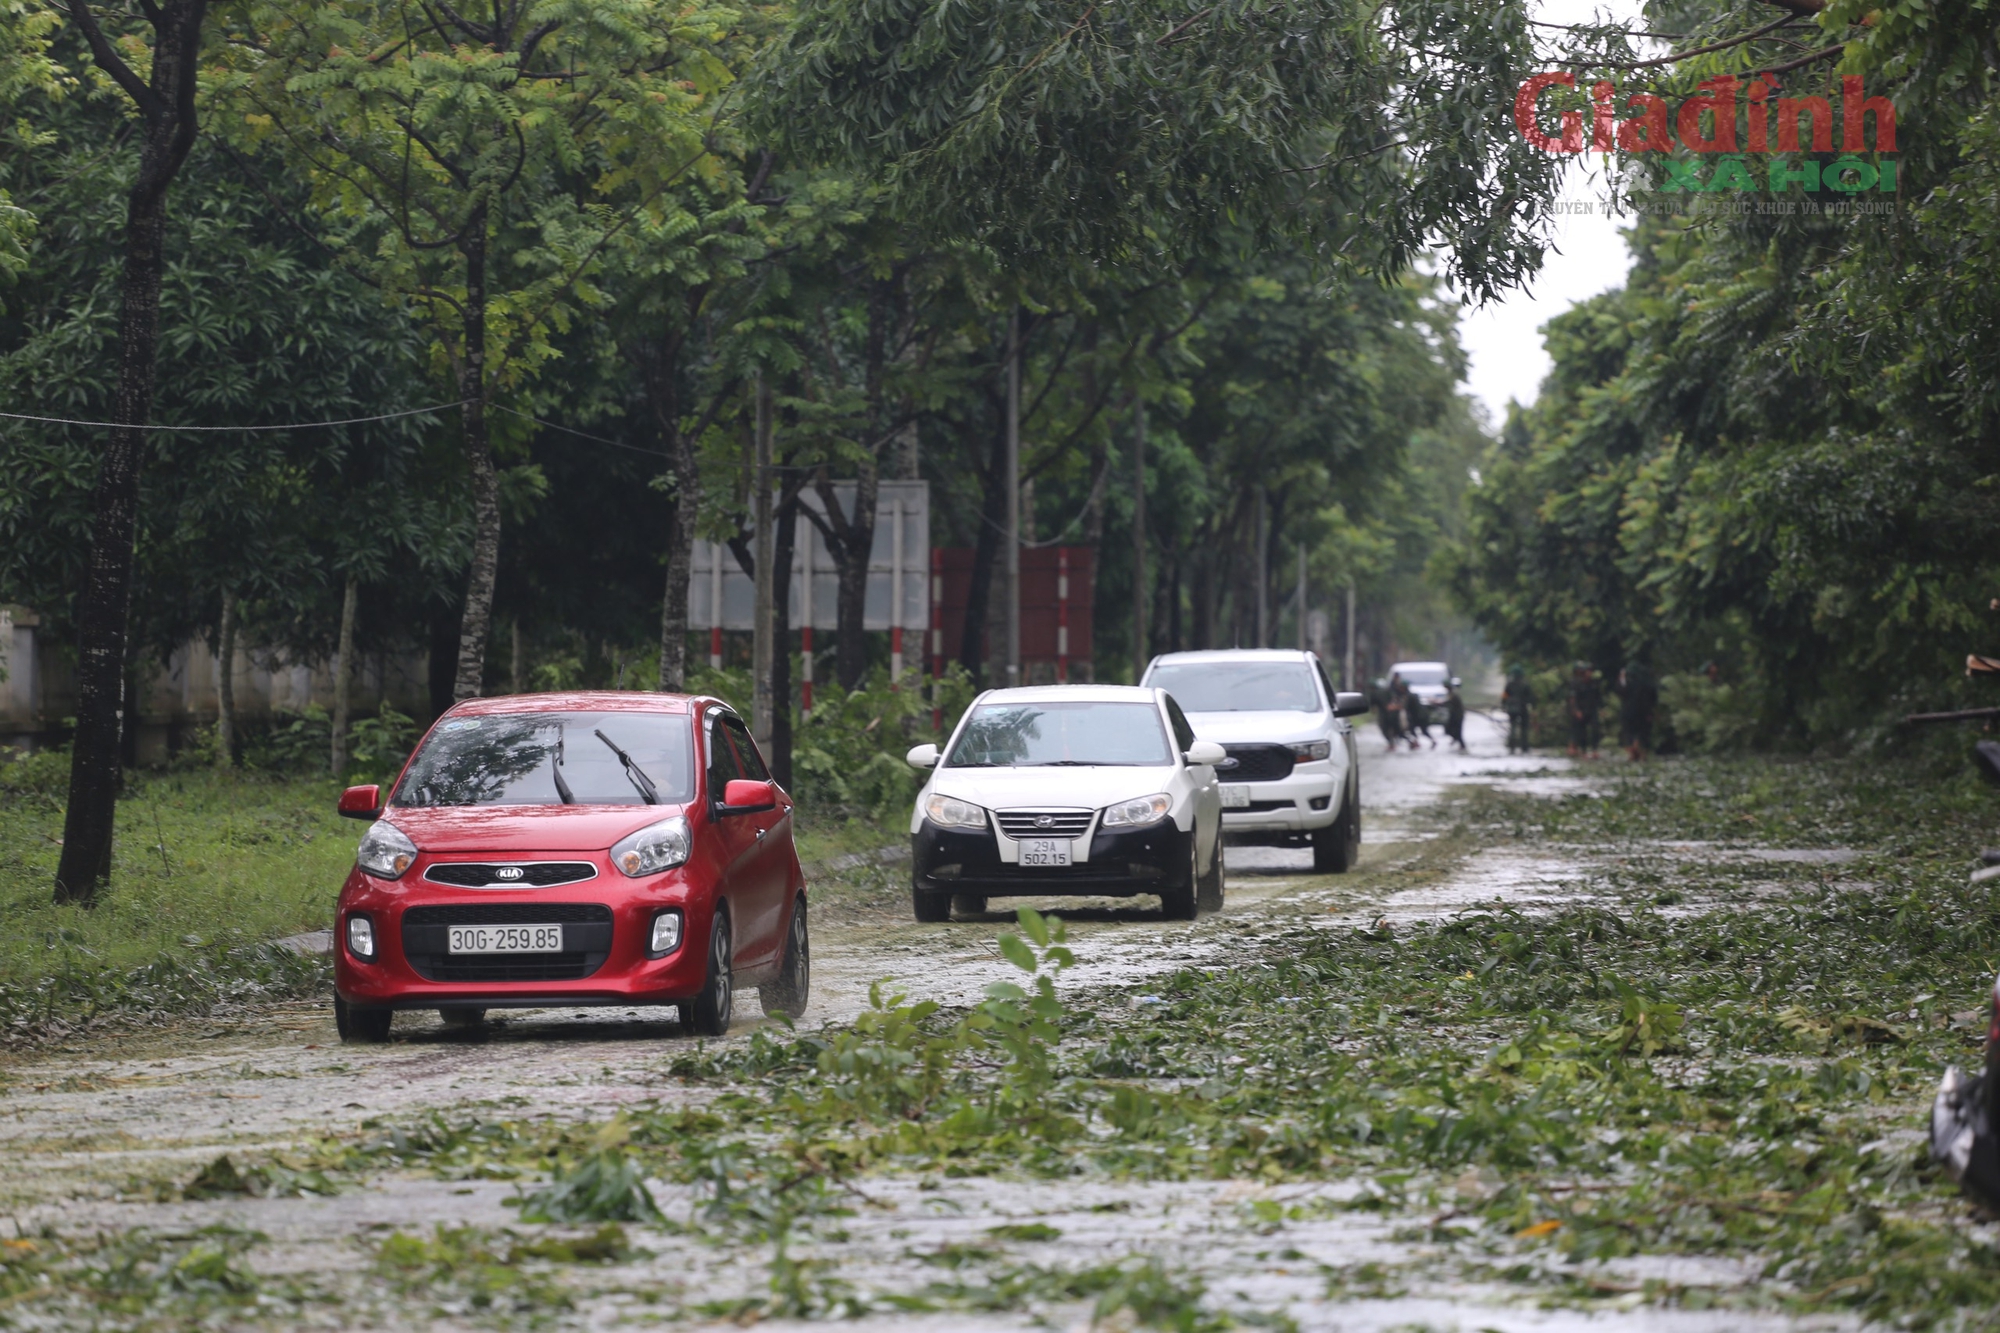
(555, 768)
(632, 771)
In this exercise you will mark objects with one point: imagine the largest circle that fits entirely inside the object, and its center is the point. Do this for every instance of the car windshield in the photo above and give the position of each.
(1031, 735)
(1238, 687)
(550, 759)
(1423, 673)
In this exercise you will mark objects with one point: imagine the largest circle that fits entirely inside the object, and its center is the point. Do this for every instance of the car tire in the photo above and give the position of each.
(968, 904)
(788, 994)
(1179, 902)
(462, 1016)
(708, 1014)
(356, 1024)
(930, 907)
(1338, 846)
(1210, 897)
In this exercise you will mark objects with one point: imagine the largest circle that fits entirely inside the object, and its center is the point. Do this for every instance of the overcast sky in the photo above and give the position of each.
(1507, 357)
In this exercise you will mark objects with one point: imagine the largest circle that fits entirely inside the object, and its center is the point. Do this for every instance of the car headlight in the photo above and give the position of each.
(654, 848)
(361, 937)
(385, 851)
(1132, 814)
(666, 936)
(1305, 752)
(950, 812)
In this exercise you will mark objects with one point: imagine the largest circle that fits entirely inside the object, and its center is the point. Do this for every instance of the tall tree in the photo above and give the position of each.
(164, 103)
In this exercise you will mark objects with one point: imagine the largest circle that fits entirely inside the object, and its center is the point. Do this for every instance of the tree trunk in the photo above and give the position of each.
(343, 676)
(661, 369)
(225, 685)
(851, 541)
(167, 111)
(476, 616)
(785, 533)
(985, 551)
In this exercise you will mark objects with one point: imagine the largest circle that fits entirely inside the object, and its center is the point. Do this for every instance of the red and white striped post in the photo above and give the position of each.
(715, 605)
(1062, 615)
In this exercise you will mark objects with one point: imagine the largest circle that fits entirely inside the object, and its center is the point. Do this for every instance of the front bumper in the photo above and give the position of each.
(1123, 863)
(603, 961)
(1298, 804)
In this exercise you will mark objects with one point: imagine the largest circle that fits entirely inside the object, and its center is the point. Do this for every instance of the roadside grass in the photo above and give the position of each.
(206, 869)
(1695, 1057)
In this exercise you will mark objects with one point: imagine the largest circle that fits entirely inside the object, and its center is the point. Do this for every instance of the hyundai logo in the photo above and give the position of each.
(1045, 821)
(509, 872)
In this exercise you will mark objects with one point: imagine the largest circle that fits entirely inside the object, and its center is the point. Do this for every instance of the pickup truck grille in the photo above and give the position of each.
(1258, 763)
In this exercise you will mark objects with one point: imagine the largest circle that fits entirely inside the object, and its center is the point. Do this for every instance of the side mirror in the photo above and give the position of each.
(745, 796)
(361, 802)
(1349, 703)
(1206, 753)
(922, 756)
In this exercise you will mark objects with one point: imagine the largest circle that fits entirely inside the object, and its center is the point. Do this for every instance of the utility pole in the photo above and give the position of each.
(1302, 597)
(763, 650)
(1012, 481)
(1347, 681)
(1139, 655)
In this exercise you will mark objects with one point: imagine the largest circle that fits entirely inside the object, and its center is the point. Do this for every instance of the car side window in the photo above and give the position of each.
(722, 767)
(1183, 730)
(1324, 683)
(747, 757)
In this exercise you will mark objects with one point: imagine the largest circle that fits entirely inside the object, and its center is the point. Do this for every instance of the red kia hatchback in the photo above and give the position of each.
(552, 850)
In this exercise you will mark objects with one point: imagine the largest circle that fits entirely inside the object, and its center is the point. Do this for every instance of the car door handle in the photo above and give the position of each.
(761, 832)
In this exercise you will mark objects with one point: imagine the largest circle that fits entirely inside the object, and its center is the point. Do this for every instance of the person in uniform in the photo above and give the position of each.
(1586, 699)
(1386, 716)
(1454, 714)
(1518, 699)
(1638, 705)
(1416, 718)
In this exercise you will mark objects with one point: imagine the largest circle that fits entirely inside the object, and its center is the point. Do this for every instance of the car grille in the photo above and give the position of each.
(1258, 763)
(1028, 823)
(492, 874)
(586, 941)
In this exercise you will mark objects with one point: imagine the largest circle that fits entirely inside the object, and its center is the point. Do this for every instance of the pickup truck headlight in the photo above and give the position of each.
(654, 848)
(385, 851)
(1304, 752)
(950, 812)
(1135, 814)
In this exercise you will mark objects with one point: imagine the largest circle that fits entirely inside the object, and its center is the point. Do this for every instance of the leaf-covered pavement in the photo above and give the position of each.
(1645, 1047)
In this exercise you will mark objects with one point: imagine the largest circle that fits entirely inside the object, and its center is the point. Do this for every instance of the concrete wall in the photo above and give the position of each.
(39, 690)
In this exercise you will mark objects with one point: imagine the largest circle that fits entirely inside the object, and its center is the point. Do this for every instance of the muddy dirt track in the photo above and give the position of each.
(88, 1131)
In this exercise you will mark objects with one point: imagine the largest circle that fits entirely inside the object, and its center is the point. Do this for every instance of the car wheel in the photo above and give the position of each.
(1211, 888)
(1336, 846)
(1178, 902)
(968, 904)
(928, 906)
(708, 1015)
(462, 1016)
(361, 1025)
(787, 995)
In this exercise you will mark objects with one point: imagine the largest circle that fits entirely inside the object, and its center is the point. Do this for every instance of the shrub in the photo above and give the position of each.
(40, 779)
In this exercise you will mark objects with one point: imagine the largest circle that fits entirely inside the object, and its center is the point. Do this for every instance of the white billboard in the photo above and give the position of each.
(720, 594)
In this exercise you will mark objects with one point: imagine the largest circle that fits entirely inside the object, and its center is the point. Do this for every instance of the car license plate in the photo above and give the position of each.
(1045, 852)
(1236, 798)
(505, 939)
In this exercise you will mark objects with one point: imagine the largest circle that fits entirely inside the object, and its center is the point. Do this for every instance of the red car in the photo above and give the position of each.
(573, 849)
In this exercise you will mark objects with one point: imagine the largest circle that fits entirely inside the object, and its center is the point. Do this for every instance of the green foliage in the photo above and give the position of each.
(606, 1186)
(848, 756)
(40, 779)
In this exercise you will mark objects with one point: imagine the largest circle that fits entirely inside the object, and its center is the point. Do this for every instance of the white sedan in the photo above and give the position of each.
(1065, 790)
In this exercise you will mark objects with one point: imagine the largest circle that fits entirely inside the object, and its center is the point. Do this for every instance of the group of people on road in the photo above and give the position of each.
(1404, 716)
(1583, 703)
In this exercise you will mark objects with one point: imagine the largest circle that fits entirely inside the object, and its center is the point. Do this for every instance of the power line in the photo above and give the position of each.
(296, 425)
(583, 435)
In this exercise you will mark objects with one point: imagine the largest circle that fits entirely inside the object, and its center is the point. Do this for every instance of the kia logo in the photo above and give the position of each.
(509, 872)
(1045, 821)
